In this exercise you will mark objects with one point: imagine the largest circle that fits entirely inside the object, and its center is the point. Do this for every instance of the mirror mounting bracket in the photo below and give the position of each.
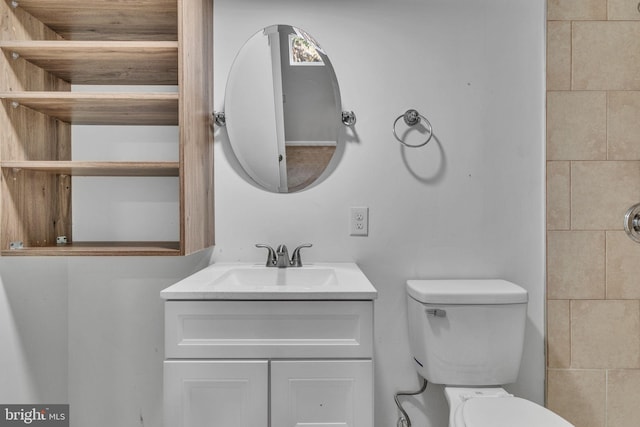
(348, 118)
(219, 118)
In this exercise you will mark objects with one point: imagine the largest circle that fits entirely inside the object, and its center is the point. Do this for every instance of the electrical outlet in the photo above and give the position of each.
(359, 221)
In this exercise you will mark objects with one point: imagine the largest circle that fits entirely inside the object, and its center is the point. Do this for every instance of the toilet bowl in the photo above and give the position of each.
(468, 335)
(494, 407)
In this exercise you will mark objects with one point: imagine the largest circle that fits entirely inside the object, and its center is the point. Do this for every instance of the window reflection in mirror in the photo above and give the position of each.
(303, 51)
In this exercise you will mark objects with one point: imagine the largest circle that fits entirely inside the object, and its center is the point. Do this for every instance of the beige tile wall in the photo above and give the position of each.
(593, 177)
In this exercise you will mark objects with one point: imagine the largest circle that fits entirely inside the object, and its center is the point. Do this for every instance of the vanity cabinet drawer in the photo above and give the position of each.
(268, 329)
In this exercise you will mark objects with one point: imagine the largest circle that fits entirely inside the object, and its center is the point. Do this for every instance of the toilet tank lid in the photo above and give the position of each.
(466, 291)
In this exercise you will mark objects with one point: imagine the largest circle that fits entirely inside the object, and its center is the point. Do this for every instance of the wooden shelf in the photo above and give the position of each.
(83, 108)
(100, 249)
(107, 20)
(102, 62)
(75, 168)
(48, 45)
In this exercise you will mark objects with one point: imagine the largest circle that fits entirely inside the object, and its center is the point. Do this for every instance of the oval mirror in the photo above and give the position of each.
(283, 110)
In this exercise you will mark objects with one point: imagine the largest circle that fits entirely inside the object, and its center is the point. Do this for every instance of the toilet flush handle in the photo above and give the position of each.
(436, 312)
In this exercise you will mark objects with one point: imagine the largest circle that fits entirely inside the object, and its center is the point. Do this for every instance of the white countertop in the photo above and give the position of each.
(246, 281)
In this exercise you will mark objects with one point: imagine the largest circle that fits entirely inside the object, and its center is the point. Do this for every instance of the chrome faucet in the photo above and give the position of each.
(280, 257)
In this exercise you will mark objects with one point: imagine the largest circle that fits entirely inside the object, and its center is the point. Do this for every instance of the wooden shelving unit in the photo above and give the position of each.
(109, 20)
(101, 108)
(102, 249)
(101, 62)
(96, 168)
(49, 45)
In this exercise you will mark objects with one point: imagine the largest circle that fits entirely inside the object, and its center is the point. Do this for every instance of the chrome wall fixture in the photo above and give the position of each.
(412, 118)
(632, 223)
(219, 118)
(348, 118)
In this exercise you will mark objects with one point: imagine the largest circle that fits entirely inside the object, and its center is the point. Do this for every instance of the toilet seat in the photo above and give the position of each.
(505, 412)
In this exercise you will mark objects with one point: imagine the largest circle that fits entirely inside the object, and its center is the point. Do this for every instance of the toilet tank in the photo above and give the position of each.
(466, 332)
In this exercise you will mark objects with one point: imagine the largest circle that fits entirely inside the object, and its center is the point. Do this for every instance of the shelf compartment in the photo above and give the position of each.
(36, 204)
(104, 62)
(104, 20)
(100, 249)
(85, 108)
(80, 168)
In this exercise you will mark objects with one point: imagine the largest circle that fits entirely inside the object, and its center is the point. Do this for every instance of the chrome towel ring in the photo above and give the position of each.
(412, 118)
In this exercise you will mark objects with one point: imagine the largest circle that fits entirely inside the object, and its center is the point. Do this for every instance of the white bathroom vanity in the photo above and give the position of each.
(254, 346)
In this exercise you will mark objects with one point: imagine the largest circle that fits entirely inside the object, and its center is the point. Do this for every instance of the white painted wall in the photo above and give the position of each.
(33, 330)
(470, 204)
(116, 337)
(88, 331)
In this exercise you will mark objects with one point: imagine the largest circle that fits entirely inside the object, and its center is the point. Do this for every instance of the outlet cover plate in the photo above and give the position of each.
(359, 221)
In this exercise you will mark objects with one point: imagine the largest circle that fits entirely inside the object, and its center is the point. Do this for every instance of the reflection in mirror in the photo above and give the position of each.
(283, 110)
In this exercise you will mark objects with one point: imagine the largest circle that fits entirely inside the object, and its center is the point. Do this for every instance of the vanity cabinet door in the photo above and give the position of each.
(209, 393)
(328, 393)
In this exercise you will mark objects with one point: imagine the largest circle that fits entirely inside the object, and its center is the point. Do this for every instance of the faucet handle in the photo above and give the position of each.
(296, 259)
(271, 254)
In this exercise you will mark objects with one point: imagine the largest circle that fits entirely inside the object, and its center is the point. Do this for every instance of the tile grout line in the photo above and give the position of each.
(570, 55)
(606, 255)
(606, 397)
(606, 125)
(570, 195)
(570, 336)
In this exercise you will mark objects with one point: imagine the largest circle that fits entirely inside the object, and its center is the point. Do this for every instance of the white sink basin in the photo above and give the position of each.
(268, 278)
(326, 281)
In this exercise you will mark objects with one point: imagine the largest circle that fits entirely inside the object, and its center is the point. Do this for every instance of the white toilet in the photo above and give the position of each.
(469, 335)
